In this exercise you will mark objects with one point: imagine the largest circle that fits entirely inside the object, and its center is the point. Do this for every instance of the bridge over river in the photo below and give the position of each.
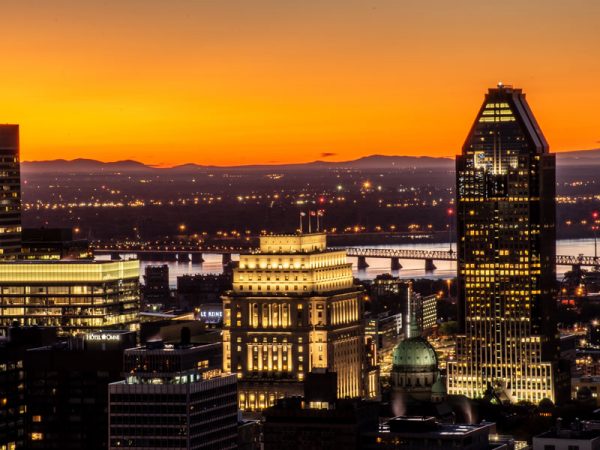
(395, 255)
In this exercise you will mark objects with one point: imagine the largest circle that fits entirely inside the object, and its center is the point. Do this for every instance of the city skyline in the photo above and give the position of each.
(266, 225)
(270, 82)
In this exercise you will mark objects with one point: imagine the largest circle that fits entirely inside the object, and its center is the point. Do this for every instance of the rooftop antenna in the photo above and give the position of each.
(302, 214)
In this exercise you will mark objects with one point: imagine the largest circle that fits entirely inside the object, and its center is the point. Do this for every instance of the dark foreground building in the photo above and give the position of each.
(293, 425)
(67, 390)
(174, 397)
(12, 381)
(318, 420)
(506, 251)
(422, 432)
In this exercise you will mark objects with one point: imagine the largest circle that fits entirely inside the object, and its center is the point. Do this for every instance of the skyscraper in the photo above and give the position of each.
(10, 192)
(294, 308)
(506, 250)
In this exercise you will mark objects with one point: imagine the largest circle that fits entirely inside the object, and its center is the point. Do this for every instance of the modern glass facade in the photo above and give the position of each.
(506, 251)
(75, 296)
(10, 192)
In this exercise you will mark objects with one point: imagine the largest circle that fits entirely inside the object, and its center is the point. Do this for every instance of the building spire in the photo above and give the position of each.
(413, 326)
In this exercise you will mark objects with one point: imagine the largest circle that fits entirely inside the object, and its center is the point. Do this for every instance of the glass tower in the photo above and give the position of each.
(506, 250)
(10, 192)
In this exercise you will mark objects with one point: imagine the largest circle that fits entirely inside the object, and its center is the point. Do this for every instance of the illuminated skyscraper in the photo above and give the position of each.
(506, 251)
(10, 192)
(294, 308)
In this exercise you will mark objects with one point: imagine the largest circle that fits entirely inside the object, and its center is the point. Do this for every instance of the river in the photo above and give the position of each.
(410, 268)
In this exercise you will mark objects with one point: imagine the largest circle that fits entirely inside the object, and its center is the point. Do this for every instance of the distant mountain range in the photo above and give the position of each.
(570, 158)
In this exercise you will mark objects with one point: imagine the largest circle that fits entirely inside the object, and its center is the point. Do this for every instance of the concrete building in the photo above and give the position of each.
(174, 397)
(73, 296)
(294, 307)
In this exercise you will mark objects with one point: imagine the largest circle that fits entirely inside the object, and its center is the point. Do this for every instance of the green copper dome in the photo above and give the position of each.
(414, 353)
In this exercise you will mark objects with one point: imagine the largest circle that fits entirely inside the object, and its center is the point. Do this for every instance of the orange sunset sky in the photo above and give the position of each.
(239, 82)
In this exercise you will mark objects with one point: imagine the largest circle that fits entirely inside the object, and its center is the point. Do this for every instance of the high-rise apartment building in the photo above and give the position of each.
(506, 251)
(74, 296)
(294, 307)
(10, 192)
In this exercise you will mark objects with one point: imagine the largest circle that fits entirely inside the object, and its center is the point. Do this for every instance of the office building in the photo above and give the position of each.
(66, 390)
(294, 307)
(506, 251)
(10, 192)
(156, 291)
(74, 296)
(193, 291)
(174, 396)
(424, 307)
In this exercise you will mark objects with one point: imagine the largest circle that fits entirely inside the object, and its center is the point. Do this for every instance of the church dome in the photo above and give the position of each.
(414, 354)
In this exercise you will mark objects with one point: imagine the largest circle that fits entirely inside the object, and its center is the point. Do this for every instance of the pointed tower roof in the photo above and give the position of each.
(506, 114)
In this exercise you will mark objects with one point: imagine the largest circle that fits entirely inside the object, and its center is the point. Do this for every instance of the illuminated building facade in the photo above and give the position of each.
(424, 307)
(10, 192)
(74, 296)
(506, 251)
(294, 308)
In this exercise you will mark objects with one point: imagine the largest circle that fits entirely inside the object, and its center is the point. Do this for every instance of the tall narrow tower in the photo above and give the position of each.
(10, 192)
(506, 250)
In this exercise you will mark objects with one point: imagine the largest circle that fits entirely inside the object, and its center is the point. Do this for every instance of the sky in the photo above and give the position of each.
(229, 82)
